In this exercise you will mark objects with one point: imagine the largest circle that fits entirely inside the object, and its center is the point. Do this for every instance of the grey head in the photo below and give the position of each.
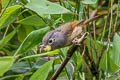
(55, 39)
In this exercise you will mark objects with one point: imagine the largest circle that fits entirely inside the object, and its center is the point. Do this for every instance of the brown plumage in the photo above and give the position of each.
(66, 33)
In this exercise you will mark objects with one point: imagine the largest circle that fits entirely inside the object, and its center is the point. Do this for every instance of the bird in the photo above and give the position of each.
(65, 34)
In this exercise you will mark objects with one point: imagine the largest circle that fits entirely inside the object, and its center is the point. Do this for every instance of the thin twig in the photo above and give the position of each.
(111, 20)
(93, 13)
(104, 29)
(94, 30)
(92, 19)
(117, 13)
(3, 53)
(6, 31)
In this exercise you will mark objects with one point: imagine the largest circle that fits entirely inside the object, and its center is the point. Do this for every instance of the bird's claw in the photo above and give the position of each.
(77, 41)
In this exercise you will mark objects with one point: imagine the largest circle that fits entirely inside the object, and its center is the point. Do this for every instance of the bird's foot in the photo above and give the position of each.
(77, 41)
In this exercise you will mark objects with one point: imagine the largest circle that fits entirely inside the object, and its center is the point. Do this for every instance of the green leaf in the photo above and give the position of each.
(20, 32)
(89, 1)
(115, 54)
(20, 66)
(55, 52)
(5, 64)
(23, 29)
(6, 2)
(20, 77)
(45, 7)
(42, 73)
(33, 20)
(79, 61)
(64, 51)
(93, 47)
(67, 17)
(109, 65)
(34, 38)
(9, 15)
(4, 41)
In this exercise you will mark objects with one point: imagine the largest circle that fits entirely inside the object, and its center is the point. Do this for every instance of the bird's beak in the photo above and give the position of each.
(45, 48)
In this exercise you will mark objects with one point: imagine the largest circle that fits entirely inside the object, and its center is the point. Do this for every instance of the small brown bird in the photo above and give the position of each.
(64, 34)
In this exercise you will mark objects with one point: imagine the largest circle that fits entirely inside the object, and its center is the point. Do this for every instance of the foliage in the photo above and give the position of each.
(23, 23)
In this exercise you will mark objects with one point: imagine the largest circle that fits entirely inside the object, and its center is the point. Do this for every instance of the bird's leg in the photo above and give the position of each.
(77, 40)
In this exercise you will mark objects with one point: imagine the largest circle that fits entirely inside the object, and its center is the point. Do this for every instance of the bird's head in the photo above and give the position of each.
(53, 40)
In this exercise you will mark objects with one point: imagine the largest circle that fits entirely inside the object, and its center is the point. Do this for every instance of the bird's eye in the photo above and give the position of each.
(50, 41)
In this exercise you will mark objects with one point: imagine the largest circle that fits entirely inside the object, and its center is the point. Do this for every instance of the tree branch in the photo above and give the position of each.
(69, 55)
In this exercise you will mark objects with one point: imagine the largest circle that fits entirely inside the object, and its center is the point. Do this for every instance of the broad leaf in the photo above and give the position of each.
(55, 52)
(45, 7)
(115, 55)
(5, 3)
(9, 15)
(22, 66)
(32, 20)
(20, 32)
(107, 64)
(5, 64)
(79, 61)
(94, 47)
(34, 38)
(89, 1)
(4, 41)
(26, 29)
(42, 73)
